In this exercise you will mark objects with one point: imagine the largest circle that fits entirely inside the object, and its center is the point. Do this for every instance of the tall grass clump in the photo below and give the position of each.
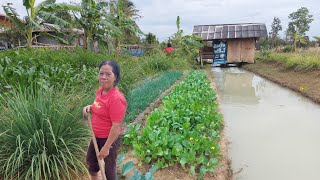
(147, 91)
(39, 137)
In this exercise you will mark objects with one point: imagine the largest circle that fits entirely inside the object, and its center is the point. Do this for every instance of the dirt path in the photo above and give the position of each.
(305, 82)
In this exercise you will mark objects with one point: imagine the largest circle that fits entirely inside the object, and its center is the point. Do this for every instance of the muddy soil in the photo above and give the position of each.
(305, 82)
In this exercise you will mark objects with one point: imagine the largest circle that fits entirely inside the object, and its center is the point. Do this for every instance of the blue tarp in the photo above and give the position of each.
(133, 52)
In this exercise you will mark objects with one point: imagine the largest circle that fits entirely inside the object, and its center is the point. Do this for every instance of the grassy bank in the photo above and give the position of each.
(301, 60)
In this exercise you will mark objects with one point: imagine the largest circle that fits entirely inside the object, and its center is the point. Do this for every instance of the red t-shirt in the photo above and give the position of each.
(107, 108)
(168, 49)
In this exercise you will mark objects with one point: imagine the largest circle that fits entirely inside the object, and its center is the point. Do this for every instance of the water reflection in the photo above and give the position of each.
(236, 86)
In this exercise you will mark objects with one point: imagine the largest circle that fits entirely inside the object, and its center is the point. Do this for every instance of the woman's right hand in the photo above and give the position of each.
(86, 110)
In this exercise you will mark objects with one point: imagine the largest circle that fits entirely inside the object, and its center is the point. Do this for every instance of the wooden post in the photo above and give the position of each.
(100, 161)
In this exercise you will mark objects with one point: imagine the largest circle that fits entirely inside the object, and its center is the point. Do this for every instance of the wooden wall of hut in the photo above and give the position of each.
(240, 50)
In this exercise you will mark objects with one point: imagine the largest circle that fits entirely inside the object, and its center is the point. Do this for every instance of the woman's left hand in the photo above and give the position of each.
(104, 152)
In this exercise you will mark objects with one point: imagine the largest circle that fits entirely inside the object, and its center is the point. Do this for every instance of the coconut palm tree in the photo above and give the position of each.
(124, 13)
(128, 8)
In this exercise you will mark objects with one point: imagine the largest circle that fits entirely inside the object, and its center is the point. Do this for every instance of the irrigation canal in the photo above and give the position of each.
(274, 132)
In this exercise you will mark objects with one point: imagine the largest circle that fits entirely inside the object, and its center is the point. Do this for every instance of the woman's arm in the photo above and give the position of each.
(113, 135)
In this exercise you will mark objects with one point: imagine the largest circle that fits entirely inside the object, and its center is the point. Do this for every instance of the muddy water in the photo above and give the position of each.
(274, 132)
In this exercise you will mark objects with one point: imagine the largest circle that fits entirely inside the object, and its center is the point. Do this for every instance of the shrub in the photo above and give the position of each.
(265, 50)
(288, 48)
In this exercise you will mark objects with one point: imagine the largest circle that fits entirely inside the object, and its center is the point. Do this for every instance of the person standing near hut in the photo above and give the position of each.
(169, 48)
(108, 111)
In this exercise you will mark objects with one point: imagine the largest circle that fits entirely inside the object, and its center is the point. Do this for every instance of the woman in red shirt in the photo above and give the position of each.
(169, 48)
(108, 111)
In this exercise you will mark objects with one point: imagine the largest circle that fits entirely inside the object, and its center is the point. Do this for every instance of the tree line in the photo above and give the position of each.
(295, 34)
(108, 22)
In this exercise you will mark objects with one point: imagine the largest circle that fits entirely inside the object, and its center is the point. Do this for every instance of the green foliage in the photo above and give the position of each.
(288, 48)
(123, 18)
(36, 15)
(40, 137)
(275, 29)
(299, 61)
(129, 166)
(265, 50)
(317, 38)
(47, 68)
(126, 168)
(151, 39)
(184, 130)
(187, 45)
(140, 97)
(299, 25)
(96, 22)
(300, 21)
(68, 81)
(74, 68)
(147, 176)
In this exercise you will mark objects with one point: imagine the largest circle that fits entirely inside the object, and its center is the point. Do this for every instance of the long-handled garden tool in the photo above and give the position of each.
(100, 161)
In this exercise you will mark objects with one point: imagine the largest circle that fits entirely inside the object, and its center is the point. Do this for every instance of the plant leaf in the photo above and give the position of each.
(127, 167)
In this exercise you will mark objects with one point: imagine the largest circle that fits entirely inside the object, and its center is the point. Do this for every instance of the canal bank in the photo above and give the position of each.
(306, 83)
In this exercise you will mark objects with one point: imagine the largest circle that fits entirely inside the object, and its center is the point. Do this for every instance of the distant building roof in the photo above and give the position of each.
(47, 27)
(4, 20)
(230, 31)
(3, 15)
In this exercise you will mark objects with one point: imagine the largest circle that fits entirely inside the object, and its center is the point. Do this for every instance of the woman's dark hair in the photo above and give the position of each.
(115, 69)
(169, 44)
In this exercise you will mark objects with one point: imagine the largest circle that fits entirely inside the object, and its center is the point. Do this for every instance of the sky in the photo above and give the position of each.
(159, 16)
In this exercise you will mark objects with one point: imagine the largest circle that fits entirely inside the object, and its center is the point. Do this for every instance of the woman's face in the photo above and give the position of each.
(106, 77)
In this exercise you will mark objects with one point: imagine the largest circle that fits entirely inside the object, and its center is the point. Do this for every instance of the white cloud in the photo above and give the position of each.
(157, 13)
(159, 16)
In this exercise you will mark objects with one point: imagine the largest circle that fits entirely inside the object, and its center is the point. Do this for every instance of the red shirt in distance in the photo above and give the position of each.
(107, 108)
(168, 50)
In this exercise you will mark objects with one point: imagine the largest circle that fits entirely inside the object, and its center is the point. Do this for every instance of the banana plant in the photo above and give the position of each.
(317, 38)
(185, 44)
(36, 15)
(94, 18)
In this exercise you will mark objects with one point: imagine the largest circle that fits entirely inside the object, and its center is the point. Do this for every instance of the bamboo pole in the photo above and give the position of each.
(100, 161)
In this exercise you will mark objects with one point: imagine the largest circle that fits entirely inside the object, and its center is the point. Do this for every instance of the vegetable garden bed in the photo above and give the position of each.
(182, 136)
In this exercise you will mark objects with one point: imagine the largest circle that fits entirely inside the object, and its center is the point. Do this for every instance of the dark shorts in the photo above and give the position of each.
(110, 160)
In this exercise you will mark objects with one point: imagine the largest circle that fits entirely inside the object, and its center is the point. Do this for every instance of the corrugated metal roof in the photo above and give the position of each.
(230, 31)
